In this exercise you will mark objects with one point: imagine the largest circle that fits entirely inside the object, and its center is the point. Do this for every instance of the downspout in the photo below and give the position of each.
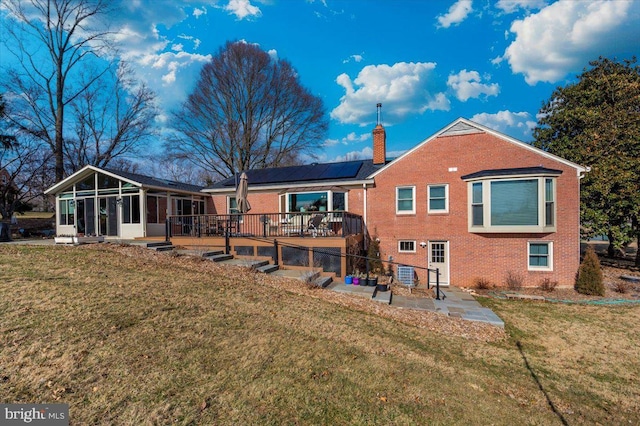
(364, 216)
(581, 175)
(364, 190)
(143, 208)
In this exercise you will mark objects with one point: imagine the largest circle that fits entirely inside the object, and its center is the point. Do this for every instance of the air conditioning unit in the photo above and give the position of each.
(406, 275)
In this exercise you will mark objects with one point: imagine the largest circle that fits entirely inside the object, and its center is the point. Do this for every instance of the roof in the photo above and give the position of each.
(149, 181)
(462, 126)
(308, 175)
(133, 178)
(518, 171)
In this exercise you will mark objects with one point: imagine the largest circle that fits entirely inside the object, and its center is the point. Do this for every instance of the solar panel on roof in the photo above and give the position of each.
(310, 172)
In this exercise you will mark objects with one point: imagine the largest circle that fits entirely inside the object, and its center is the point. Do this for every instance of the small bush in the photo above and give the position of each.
(589, 279)
(514, 280)
(621, 288)
(547, 285)
(482, 284)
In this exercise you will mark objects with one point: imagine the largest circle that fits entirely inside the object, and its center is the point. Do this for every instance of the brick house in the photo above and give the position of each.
(478, 204)
(470, 201)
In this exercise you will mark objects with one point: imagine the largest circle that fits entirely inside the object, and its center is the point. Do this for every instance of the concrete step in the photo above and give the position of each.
(163, 247)
(382, 296)
(212, 253)
(297, 274)
(268, 268)
(220, 257)
(247, 263)
(158, 244)
(323, 281)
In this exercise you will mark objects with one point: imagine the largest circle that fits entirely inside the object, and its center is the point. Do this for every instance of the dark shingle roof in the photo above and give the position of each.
(539, 170)
(309, 173)
(156, 182)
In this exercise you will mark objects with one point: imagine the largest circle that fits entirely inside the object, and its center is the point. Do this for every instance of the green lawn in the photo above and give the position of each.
(128, 336)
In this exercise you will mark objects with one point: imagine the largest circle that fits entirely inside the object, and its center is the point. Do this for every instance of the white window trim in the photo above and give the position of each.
(446, 199)
(329, 199)
(406, 241)
(486, 207)
(540, 268)
(413, 199)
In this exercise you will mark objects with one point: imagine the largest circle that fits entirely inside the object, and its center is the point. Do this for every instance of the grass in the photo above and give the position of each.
(36, 215)
(127, 336)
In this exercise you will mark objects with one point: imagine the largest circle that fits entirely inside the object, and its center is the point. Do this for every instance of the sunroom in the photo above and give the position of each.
(117, 204)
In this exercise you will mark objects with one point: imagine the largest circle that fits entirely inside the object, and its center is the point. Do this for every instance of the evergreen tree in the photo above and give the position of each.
(589, 280)
(596, 122)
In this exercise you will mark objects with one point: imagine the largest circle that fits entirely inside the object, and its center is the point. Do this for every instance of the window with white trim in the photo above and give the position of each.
(67, 211)
(540, 254)
(438, 198)
(549, 202)
(512, 205)
(405, 199)
(406, 246)
(131, 209)
(477, 207)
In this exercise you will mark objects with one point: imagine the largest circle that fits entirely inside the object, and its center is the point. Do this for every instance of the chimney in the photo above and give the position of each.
(379, 140)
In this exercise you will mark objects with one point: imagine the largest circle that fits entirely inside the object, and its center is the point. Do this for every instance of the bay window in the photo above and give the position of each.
(320, 201)
(506, 201)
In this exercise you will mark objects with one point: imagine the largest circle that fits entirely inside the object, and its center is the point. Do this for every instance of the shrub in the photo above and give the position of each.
(514, 280)
(621, 287)
(482, 284)
(547, 285)
(589, 279)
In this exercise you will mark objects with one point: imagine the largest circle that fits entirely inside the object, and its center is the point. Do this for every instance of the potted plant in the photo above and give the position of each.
(383, 283)
(373, 280)
(348, 279)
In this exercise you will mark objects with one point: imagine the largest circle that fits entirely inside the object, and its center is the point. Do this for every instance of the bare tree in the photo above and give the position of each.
(19, 167)
(112, 118)
(67, 31)
(247, 111)
(6, 140)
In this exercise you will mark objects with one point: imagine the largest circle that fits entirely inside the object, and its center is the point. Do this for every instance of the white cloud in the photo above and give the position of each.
(404, 88)
(196, 41)
(350, 138)
(516, 124)
(177, 47)
(457, 13)
(273, 53)
(363, 154)
(199, 12)
(466, 84)
(242, 9)
(510, 6)
(564, 36)
(355, 58)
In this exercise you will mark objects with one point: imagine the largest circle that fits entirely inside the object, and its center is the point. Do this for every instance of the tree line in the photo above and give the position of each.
(77, 104)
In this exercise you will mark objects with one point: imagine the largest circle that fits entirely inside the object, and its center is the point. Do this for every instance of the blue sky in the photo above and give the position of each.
(427, 62)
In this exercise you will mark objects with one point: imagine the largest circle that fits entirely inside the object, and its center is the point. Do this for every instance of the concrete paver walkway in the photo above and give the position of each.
(455, 304)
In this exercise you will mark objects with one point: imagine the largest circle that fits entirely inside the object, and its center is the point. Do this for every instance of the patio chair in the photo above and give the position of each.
(293, 225)
(315, 225)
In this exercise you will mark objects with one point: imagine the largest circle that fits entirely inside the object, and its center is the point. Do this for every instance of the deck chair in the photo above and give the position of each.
(314, 225)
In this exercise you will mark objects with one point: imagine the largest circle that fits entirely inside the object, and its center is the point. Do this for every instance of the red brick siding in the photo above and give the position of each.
(471, 255)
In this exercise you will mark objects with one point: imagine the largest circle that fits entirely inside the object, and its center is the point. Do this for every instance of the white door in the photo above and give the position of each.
(439, 258)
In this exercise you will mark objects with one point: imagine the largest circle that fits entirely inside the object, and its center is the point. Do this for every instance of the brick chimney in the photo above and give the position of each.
(379, 140)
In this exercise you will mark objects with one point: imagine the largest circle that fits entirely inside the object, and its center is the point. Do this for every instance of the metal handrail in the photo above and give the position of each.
(274, 225)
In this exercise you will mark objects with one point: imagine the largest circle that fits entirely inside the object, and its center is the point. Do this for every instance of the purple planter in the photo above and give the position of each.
(356, 281)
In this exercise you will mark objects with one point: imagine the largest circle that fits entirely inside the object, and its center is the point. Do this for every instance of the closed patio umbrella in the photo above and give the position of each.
(242, 191)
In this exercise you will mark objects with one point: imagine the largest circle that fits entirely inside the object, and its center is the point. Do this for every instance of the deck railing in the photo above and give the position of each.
(266, 225)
